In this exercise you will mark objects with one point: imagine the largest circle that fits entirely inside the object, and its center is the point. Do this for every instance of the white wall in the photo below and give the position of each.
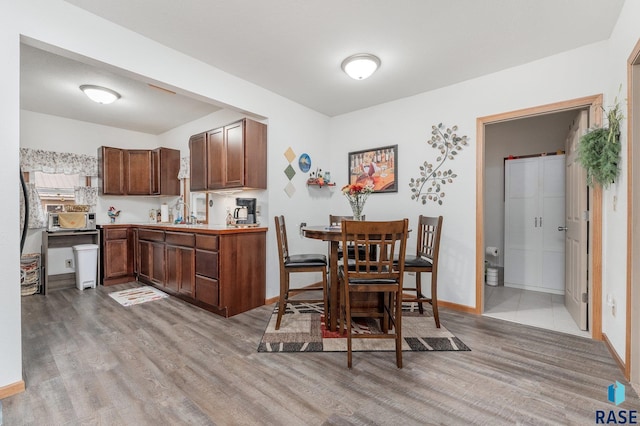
(619, 47)
(57, 23)
(406, 122)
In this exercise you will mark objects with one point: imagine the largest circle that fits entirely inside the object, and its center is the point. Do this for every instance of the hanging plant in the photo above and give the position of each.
(599, 150)
(433, 175)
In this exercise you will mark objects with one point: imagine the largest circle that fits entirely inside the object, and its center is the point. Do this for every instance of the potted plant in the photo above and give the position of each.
(599, 150)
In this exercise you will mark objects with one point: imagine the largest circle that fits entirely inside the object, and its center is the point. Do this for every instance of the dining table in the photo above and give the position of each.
(333, 235)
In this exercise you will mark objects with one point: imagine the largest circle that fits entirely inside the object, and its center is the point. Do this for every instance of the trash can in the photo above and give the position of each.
(86, 256)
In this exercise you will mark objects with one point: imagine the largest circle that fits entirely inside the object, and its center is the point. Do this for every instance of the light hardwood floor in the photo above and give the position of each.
(88, 360)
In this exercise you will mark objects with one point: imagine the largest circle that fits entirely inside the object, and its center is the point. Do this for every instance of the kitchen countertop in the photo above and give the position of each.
(202, 229)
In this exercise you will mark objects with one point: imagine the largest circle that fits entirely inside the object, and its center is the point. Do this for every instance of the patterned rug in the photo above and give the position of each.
(303, 330)
(135, 296)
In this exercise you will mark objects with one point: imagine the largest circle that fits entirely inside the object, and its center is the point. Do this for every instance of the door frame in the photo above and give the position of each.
(594, 105)
(632, 346)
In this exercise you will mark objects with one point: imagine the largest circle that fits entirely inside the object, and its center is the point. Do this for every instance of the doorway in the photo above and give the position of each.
(558, 113)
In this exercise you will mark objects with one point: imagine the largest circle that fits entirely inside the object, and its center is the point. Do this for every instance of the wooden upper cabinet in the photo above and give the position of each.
(138, 171)
(137, 167)
(166, 166)
(235, 156)
(111, 170)
(234, 159)
(198, 157)
(215, 159)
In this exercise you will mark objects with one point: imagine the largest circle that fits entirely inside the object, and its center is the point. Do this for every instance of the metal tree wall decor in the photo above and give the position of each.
(433, 176)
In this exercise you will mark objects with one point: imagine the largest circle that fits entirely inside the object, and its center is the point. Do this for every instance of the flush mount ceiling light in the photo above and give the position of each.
(98, 94)
(360, 66)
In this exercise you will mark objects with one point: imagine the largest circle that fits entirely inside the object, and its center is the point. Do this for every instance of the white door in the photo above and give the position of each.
(534, 208)
(575, 227)
(522, 241)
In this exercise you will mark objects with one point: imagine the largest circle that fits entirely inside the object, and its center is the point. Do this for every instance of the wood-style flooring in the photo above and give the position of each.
(88, 360)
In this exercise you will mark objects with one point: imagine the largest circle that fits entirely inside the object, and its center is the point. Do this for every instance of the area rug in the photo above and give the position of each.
(135, 296)
(303, 330)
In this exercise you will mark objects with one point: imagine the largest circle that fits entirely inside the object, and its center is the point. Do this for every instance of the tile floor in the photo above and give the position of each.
(533, 308)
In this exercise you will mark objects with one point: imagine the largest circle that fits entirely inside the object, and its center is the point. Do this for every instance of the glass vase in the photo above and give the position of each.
(356, 207)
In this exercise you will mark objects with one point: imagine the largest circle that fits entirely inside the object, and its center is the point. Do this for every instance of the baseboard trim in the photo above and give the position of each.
(441, 303)
(613, 352)
(271, 300)
(457, 307)
(12, 389)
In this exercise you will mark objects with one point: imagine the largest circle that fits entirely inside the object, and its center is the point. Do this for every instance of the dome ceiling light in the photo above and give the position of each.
(98, 94)
(360, 66)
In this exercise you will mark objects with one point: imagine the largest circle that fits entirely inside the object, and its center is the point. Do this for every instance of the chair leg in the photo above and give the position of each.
(434, 301)
(325, 297)
(398, 327)
(419, 291)
(348, 320)
(284, 296)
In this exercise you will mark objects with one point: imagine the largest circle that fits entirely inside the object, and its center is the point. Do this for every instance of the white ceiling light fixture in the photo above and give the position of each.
(361, 65)
(99, 94)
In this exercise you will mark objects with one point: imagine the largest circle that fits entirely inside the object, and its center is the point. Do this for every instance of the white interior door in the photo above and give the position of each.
(534, 208)
(522, 239)
(553, 207)
(575, 226)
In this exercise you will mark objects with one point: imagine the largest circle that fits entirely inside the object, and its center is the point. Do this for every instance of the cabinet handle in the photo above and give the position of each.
(536, 222)
(540, 221)
(562, 228)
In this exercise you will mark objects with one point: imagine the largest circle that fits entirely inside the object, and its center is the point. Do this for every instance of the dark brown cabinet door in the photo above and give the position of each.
(173, 267)
(116, 258)
(144, 260)
(187, 261)
(215, 159)
(233, 159)
(158, 264)
(111, 170)
(166, 166)
(138, 171)
(198, 157)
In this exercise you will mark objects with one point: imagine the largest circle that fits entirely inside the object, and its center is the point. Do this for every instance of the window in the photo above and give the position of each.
(56, 189)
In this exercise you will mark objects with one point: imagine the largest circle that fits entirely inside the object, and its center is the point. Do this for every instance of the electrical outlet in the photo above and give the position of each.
(68, 263)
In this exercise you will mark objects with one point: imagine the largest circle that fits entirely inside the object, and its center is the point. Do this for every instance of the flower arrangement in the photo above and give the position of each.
(113, 213)
(357, 194)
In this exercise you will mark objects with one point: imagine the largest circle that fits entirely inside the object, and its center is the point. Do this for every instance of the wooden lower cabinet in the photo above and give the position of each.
(224, 273)
(117, 258)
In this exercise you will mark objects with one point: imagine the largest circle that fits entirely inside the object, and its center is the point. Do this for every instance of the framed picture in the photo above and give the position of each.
(376, 167)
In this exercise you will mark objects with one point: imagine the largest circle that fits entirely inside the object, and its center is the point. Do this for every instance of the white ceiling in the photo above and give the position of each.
(295, 48)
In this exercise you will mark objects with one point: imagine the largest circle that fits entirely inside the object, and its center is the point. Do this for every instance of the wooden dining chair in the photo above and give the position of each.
(380, 275)
(292, 263)
(335, 220)
(425, 260)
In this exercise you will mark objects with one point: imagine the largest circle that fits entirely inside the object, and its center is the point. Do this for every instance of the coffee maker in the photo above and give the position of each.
(245, 212)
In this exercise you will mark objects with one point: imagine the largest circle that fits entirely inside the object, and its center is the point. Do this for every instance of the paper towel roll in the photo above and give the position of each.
(492, 251)
(164, 213)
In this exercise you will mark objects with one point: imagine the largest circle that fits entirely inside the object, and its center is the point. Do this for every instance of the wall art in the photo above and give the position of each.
(376, 167)
(428, 186)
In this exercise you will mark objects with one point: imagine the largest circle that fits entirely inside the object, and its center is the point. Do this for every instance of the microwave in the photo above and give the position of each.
(71, 221)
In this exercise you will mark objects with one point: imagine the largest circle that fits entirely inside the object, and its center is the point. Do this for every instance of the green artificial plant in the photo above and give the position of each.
(599, 150)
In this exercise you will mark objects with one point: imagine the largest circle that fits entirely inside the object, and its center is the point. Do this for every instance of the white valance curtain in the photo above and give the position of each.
(39, 160)
(37, 218)
(184, 168)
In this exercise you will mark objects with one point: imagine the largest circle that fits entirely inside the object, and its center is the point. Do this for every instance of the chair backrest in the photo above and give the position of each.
(281, 236)
(337, 220)
(388, 239)
(429, 230)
